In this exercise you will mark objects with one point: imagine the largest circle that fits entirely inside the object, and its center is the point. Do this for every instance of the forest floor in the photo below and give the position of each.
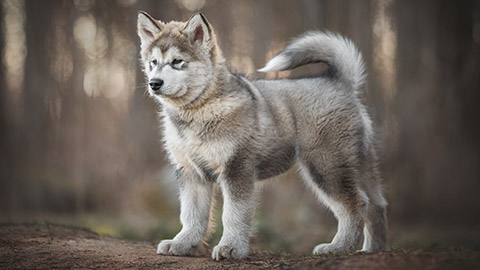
(46, 246)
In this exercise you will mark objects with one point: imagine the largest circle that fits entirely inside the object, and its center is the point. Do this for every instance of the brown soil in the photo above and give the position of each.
(43, 246)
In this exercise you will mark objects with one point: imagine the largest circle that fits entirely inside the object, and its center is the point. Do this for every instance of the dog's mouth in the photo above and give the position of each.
(159, 93)
(156, 92)
(167, 93)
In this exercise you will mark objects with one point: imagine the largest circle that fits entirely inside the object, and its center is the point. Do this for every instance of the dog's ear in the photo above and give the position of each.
(198, 29)
(147, 27)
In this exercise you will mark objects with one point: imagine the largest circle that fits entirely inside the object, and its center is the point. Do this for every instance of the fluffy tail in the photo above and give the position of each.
(344, 61)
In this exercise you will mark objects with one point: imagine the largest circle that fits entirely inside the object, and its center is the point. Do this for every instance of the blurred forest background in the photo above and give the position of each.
(80, 142)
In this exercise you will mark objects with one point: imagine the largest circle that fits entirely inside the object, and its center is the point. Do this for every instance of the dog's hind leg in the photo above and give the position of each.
(337, 189)
(375, 231)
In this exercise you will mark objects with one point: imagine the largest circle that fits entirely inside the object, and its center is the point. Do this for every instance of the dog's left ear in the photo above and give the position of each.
(198, 30)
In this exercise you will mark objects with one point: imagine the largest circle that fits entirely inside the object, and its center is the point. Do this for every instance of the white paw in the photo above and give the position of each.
(331, 249)
(176, 248)
(229, 252)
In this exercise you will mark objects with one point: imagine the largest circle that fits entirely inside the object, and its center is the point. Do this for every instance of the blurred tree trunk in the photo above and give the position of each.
(408, 75)
(4, 130)
(35, 122)
(3, 91)
(71, 128)
(435, 81)
(37, 81)
(458, 53)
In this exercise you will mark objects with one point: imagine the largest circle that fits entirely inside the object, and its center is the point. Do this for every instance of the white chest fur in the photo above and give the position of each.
(187, 148)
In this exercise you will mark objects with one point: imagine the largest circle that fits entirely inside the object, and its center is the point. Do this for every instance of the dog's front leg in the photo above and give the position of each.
(195, 200)
(238, 210)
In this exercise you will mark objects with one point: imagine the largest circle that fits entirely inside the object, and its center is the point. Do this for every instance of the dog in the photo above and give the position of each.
(222, 129)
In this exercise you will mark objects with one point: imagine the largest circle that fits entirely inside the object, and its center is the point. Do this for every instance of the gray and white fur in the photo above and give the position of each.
(222, 129)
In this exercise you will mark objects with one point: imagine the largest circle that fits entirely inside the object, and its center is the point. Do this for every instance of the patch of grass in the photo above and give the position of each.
(267, 238)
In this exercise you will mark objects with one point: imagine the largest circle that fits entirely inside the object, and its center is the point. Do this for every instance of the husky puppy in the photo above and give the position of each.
(223, 129)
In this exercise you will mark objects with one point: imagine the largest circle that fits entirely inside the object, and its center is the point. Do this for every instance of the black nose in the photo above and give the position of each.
(156, 84)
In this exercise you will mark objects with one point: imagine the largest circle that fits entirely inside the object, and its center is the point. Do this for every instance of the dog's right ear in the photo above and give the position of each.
(147, 27)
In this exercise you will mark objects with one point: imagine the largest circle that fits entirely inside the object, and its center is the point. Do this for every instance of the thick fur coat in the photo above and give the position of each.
(223, 129)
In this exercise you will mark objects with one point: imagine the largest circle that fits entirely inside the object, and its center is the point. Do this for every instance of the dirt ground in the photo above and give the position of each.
(44, 246)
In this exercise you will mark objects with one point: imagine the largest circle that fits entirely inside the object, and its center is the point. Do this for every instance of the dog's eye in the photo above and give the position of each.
(176, 62)
(153, 62)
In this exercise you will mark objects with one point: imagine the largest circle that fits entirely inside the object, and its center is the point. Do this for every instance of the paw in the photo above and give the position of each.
(229, 252)
(176, 248)
(331, 249)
